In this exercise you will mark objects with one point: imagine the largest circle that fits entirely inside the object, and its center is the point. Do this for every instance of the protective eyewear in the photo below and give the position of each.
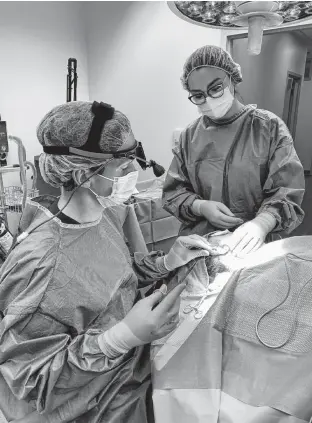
(216, 91)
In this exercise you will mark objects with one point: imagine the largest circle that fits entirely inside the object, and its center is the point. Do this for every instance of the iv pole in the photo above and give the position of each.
(72, 78)
(4, 146)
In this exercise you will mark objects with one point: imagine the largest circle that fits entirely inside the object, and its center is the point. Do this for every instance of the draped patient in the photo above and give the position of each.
(244, 339)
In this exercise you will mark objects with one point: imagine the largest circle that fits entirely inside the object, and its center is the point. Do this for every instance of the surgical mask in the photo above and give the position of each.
(216, 108)
(123, 188)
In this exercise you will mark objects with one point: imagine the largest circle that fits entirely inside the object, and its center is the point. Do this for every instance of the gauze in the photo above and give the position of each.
(216, 108)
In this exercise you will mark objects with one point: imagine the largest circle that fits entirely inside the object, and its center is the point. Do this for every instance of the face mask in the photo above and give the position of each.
(123, 188)
(216, 108)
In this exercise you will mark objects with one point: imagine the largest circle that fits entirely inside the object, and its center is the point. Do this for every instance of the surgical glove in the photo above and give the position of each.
(149, 319)
(251, 235)
(185, 249)
(216, 213)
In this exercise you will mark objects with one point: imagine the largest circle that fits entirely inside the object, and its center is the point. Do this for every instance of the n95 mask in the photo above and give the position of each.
(216, 108)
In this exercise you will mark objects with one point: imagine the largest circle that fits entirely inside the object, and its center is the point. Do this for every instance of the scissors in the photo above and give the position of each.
(198, 314)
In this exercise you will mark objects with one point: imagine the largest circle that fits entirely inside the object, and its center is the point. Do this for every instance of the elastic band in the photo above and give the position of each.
(207, 66)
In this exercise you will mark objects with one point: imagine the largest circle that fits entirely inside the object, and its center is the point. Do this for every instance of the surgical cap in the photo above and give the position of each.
(69, 125)
(211, 56)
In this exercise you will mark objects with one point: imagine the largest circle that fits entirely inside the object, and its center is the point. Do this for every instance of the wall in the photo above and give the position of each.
(304, 126)
(265, 75)
(136, 52)
(37, 39)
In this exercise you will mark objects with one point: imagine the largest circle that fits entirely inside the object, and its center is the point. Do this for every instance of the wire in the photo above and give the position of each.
(270, 311)
(25, 234)
(294, 313)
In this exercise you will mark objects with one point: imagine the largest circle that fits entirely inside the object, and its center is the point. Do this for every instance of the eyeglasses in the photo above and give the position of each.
(216, 91)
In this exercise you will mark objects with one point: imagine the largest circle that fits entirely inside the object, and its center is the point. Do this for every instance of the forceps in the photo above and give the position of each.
(198, 314)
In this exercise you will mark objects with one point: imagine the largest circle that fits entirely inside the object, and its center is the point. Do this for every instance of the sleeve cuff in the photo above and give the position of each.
(118, 340)
(268, 209)
(196, 207)
(160, 263)
(267, 221)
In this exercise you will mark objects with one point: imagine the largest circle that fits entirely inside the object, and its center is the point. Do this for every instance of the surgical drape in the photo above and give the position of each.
(222, 372)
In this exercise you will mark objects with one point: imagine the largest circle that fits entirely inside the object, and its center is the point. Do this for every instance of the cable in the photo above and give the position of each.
(270, 311)
(25, 234)
(294, 313)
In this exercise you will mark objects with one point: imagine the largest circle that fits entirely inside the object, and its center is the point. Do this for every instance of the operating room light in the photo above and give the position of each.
(254, 15)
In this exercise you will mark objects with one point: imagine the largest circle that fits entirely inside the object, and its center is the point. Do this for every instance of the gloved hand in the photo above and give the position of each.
(150, 318)
(251, 235)
(185, 249)
(216, 213)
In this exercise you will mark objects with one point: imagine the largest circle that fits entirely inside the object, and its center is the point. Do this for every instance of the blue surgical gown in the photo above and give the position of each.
(249, 163)
(59, 289)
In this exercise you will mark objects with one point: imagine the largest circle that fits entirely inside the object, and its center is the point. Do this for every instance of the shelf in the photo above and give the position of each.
(5, 169)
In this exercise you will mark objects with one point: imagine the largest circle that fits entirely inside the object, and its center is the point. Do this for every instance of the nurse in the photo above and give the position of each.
(235, 167)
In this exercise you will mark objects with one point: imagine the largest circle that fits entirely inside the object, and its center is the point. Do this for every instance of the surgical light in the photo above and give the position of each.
(254, 15)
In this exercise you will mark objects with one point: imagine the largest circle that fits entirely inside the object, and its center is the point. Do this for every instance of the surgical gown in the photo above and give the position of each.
(60, 288)
(248, 163)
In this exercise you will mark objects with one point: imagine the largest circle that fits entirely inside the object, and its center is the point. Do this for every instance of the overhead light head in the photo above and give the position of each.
(233, 15)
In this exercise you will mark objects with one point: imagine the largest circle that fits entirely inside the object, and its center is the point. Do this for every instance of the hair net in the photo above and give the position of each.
(211, 56)
(69, 125)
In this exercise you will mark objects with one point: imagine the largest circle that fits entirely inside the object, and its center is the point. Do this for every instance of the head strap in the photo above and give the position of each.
(102, 113)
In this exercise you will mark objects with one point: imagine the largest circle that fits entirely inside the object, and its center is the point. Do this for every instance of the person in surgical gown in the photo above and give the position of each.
(235, 167)
(72, 335)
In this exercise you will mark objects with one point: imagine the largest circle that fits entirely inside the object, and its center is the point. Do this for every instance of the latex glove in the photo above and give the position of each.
(151, 318)
(185, 249)
(251, 235)
(216, 213)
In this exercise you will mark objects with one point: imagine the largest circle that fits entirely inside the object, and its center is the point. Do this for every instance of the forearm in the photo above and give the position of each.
(180, 205)
(118, 340)
(288, 215)
(70, 403)
(196, 207)
(285, 185)
(149, 268)
(267, 220)
(52, 366)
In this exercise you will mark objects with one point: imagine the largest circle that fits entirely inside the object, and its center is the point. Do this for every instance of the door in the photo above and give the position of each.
(291, 103)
